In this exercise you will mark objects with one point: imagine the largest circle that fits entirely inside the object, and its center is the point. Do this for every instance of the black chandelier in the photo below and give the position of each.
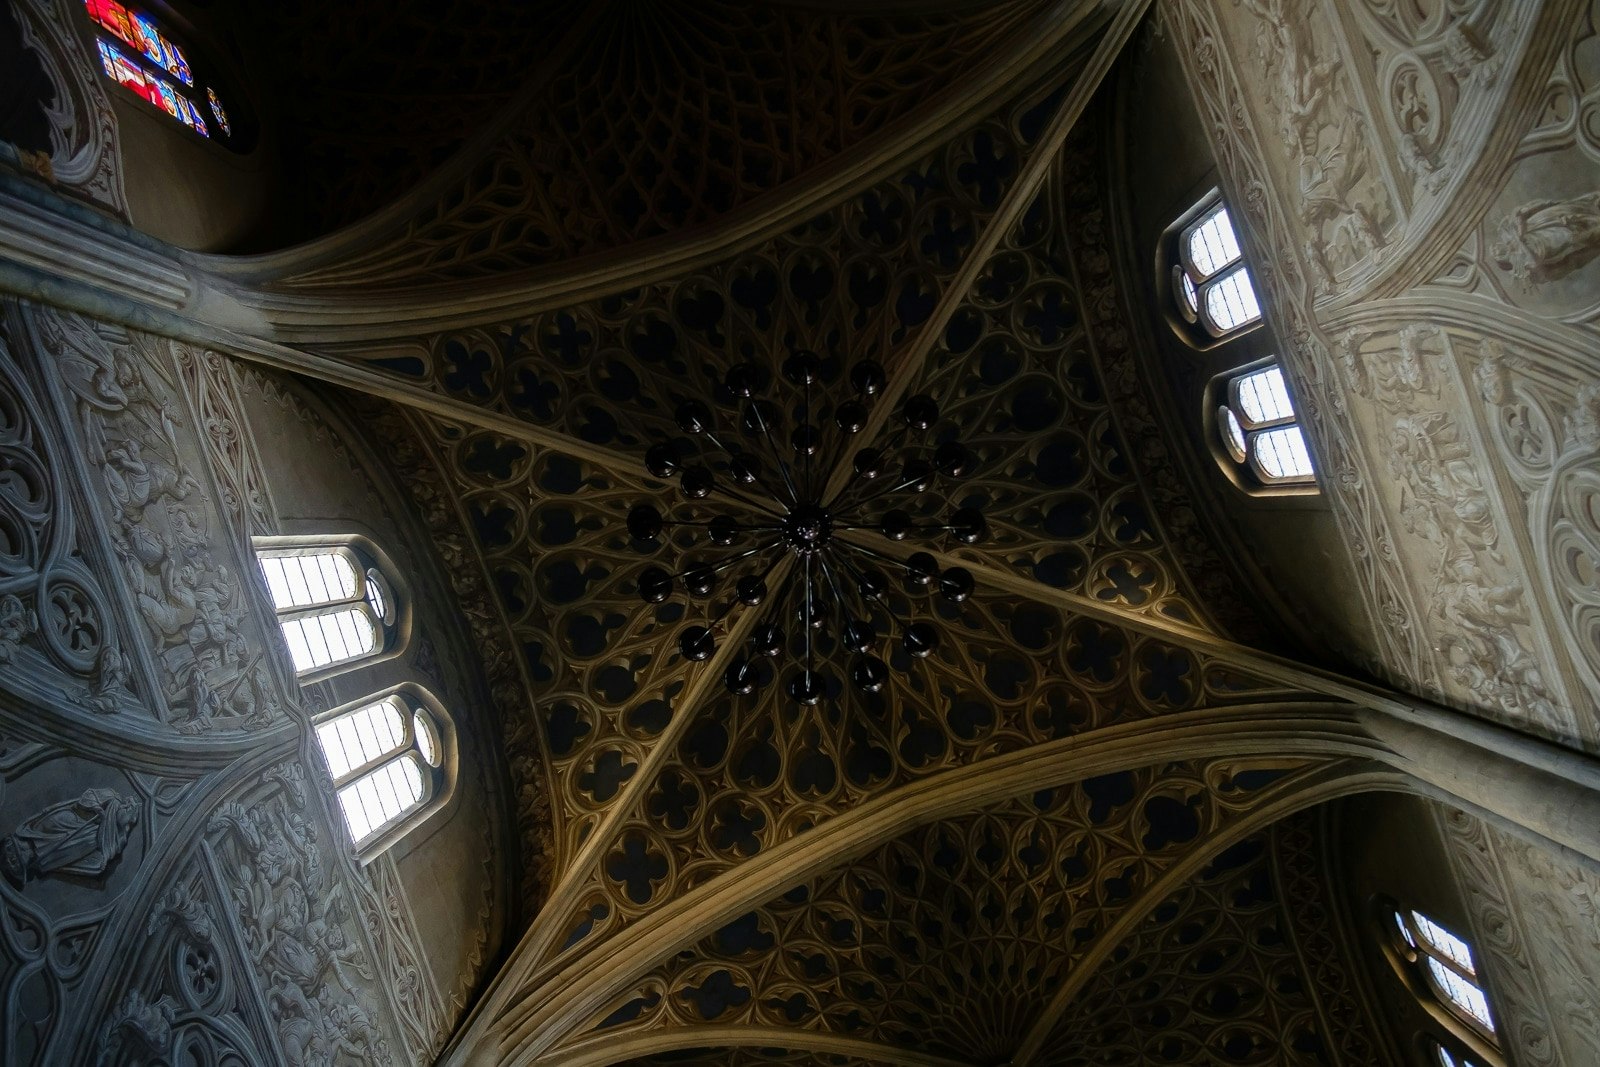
(784, 510)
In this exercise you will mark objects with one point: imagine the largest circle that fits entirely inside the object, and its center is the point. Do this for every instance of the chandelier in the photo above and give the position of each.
(770, 501)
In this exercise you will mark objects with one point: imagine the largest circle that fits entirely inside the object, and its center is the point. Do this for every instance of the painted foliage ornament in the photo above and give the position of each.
(766, 507)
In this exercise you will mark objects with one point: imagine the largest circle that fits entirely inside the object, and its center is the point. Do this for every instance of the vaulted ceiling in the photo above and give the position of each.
(1053, 840)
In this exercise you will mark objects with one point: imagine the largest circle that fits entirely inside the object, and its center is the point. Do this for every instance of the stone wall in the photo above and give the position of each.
(177, 885)
(1418, 186)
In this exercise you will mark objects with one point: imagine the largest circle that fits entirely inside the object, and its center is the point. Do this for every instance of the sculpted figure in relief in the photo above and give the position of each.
(1443, 500)
(309, 965)
(1326, 137)
(79, 837)
(17, 621)
(189, 600)
(1544, 240)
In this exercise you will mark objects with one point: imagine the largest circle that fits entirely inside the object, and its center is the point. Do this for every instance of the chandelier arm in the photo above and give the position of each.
(730, 454)
(805, 477)
(864, 501)
(775, 612)
(783, 468)
(733, 602)
(806, 625)
(880, 555)
(877, 599)
(736, 526)
(886, 448)
(746, 554)
(724, 561)
(838, 591)
(756, 505)
(827, 572)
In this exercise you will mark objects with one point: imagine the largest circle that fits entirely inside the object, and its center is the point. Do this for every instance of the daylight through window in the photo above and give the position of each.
(1260, 431)
(1211, 282)
(332, 608)
(1447, 964)
(385, 758)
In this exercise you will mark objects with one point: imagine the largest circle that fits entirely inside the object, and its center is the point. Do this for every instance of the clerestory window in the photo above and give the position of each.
(1446, 1058)
(1210, 281)
(389, 761)
(1260, 431)
(140, 55)
(334, 605)
(1448, 969)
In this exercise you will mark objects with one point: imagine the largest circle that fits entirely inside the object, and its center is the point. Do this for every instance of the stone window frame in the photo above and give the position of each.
(1459, 1035)
(381, 596)
(438, 774)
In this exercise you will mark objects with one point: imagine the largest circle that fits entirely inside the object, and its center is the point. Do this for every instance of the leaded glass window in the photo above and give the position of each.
(1211, 283)
(333, 607)
(1447, 1058)
(1447, 965)
(137, 54)
(386, 759)
(1260, 430)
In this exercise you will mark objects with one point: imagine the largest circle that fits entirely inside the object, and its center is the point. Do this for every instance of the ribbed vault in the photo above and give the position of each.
(936, 873)
(609, 124)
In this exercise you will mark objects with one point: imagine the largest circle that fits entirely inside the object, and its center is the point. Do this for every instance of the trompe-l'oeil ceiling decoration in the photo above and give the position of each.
(774, 503)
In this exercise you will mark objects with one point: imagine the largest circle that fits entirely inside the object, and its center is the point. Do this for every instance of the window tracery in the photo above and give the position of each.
(1260, 430)
(137, 54)
(334, 608)
(388, 760)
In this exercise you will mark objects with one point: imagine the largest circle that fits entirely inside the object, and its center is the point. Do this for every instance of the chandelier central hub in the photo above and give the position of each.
(808, 528)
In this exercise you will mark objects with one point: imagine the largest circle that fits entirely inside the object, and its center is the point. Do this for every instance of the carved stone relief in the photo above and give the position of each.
(207, 644)
(84, 157)
(268, 943)
(1533, 920)
(298, 923)
(1445, 525)
(1490, 644)
(1344, 202)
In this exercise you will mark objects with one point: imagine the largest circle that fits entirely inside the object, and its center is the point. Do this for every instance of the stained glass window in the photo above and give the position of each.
(331, 607)
(1212, 284)
(137, 55)
(384, 757)
(1260, 431)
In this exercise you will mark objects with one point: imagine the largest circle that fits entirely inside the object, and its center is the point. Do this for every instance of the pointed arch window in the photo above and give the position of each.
(391, 760)
(335, 607)
(1260, 430)
(139, 54)
(1210, 281)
